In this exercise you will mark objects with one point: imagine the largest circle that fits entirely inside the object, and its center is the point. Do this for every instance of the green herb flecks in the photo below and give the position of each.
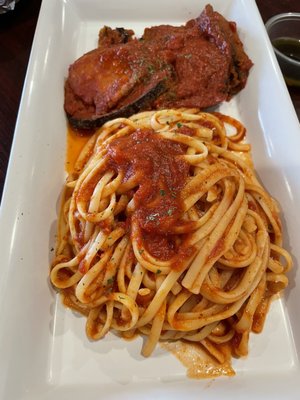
(111, 280)
(151, 69)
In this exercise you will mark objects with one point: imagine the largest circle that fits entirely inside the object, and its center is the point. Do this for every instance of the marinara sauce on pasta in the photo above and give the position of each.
(166, 231)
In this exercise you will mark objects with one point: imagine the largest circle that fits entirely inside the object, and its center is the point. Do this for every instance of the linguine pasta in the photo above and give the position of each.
(166, 231)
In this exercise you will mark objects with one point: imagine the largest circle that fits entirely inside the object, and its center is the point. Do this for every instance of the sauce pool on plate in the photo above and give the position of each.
(75, 143)
(197, 361)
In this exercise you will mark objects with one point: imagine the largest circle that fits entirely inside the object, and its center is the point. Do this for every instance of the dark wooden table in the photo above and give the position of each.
(16, 34)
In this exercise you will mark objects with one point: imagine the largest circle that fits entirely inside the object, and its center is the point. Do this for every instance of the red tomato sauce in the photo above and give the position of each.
(161, 173)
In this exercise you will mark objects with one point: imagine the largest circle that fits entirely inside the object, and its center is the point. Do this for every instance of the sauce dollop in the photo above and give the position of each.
(160, 172)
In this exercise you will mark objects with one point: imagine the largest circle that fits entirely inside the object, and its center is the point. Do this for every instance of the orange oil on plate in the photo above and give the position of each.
(75, 143)
(197, 361)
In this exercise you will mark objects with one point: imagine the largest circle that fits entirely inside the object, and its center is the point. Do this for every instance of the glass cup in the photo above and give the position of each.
(284, 33)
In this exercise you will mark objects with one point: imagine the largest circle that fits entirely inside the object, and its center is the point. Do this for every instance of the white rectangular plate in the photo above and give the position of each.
(44, 351)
